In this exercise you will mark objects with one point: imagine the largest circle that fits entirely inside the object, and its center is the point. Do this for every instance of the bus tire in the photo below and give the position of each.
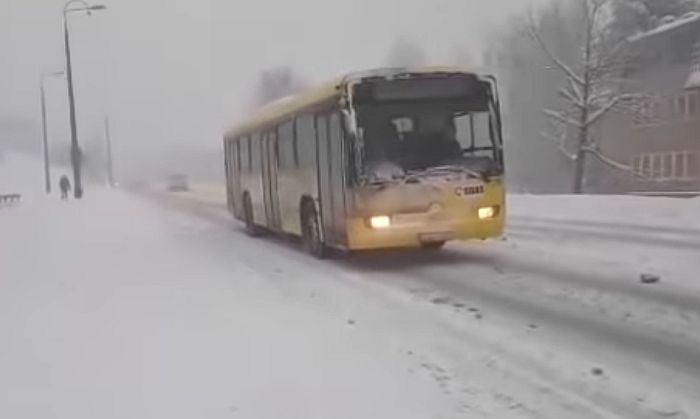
(432, 245)
(311, 231)
(250, 228)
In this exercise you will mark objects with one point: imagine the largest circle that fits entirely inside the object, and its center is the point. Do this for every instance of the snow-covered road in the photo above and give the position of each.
(155, 305)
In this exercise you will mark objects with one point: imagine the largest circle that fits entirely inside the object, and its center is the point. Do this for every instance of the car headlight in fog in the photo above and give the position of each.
(380, 221)
(486, 213)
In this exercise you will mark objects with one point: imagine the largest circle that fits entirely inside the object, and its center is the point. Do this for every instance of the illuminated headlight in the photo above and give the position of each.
(486, 213)
(380, 221)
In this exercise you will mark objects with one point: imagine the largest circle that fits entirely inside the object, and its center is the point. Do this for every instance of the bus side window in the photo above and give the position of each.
(286, 146)
(306, 141)
(337, 151)
(233, 157)
(237, 145)
(227, 159)
(245, 155)
(255, 153)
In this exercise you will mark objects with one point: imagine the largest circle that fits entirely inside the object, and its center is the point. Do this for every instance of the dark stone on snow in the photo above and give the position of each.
(597, 371)
(440, 300)
(649, 278)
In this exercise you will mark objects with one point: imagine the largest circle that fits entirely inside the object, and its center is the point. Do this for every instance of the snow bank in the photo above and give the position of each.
(609, 208)
(24, 174)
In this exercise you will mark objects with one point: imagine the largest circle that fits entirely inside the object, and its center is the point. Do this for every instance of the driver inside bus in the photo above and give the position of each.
(383, 149)
(432, 144)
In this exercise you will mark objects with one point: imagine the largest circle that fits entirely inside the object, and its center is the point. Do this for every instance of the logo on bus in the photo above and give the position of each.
(469, 190)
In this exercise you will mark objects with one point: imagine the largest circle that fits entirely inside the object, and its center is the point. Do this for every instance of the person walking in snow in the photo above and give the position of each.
(64, 185)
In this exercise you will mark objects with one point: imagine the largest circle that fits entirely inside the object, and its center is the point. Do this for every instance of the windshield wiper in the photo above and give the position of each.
(448, 169)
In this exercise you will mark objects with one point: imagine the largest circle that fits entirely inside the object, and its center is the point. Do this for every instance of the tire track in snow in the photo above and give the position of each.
(623, 341)
(569, 403)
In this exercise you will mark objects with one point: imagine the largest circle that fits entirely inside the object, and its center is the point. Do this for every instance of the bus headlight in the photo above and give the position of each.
(486, 213)
(380, 221)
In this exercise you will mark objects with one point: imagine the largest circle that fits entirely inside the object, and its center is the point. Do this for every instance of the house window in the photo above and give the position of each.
(646, 165)
(684, 106)
(692, 165)
(674, 165)
(667, 166)
(692, 105)
(680, 166)
(680, 106)
(649, 113)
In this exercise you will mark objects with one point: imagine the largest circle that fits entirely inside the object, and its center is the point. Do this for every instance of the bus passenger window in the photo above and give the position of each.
(255, 153)
(286, 146)
(244, 154)
(237, 145)
(295, 143)
(306, 141)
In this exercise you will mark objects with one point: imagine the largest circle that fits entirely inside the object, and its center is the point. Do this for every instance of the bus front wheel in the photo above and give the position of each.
(311, 231)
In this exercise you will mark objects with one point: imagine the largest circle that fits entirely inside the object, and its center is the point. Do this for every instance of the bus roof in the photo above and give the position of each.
(283, 108)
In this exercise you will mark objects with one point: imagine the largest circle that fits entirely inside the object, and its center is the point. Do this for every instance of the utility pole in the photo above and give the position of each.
(75, 152)
(108, 149)
(74, 147)
(45, 139)
(44, 131)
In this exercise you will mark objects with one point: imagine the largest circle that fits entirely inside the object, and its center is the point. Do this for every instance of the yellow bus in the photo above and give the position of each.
(388, 158)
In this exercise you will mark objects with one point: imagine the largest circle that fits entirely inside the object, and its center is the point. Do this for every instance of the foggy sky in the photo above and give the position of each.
(176, 72)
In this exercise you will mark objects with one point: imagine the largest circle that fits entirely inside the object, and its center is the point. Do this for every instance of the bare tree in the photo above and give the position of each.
(590, 92)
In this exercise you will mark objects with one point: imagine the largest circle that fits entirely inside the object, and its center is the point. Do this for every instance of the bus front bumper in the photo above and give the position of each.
(361, 236)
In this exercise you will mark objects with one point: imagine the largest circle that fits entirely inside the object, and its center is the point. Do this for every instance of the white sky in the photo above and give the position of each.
(172, 72)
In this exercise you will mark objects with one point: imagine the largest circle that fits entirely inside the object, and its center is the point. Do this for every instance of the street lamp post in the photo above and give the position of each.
(75, 153)
(108, 151)
(45, 136)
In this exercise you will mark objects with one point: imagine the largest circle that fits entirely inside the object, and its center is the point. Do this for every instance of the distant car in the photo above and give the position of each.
(178, 183)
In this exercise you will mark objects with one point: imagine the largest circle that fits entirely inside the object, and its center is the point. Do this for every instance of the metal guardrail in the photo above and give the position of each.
(10, 198)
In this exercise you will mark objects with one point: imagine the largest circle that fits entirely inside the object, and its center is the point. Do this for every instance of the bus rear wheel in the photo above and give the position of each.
(250, 228)
(311, 232)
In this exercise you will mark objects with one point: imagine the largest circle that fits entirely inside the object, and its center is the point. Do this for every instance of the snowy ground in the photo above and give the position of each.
(157, 305)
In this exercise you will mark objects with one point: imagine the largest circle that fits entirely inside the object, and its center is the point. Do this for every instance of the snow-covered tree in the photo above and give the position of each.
(635, 16)
(528, 85)
(589, 93)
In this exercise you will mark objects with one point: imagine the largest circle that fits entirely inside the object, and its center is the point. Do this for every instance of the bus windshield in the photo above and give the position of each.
(415, 136)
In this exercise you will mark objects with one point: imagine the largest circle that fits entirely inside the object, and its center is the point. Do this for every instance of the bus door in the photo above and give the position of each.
(331, 168)
(270, 194)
